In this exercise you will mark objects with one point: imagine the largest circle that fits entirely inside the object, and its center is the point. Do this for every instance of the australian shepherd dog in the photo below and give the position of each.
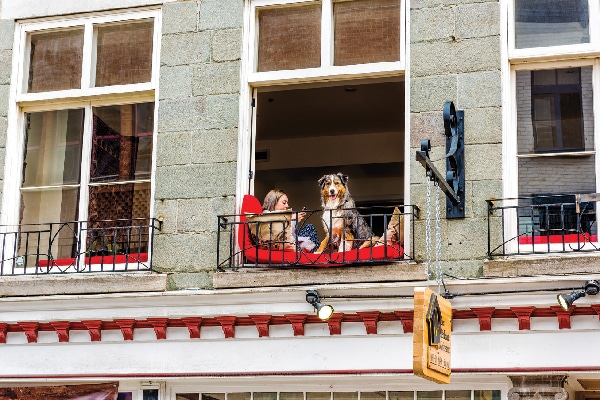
(345, 228)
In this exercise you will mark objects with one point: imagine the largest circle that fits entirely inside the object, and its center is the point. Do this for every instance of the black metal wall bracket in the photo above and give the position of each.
(453, 184)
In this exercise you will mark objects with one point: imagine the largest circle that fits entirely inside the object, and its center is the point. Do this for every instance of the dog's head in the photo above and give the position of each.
(334, 188)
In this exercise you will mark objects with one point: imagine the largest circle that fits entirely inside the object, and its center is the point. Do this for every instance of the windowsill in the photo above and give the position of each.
(543, 264)
(269, 277)
(587, 153)
(89, 283)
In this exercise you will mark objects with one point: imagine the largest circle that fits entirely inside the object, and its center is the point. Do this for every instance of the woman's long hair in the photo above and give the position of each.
(271, 199)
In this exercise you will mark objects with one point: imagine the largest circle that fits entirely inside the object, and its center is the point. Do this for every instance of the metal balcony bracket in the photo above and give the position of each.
(453, 183)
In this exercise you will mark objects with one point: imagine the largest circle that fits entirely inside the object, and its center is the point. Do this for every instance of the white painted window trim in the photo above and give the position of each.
(86, 97)
(537, 59)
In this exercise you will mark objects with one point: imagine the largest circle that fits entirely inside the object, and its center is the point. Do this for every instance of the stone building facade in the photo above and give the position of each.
(241, 96)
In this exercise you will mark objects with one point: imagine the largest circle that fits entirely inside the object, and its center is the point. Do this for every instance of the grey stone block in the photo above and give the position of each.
(462, 269)
(222, 111)
(181, 115)
(4, 96)
(7, 34)
(200, 215)
(480, 89)
(430, 93)
(417, 4)
(5, 66)
(432, 24)
(196, 181)
(184, 252)
(463, 243)
(173, 148)
(227, 45)
(455, 57)
(167, 209)
(216, 78)
(427, 125)
(221, 14)
(180, 17)
(477, 20)
(186, 48)
(175, 82)
(483, 162)
(214, 146)
(3, 128)
(200, 280)
(483, 125)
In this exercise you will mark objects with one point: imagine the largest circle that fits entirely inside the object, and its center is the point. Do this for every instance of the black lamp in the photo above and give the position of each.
(324, 311)
(566, 300)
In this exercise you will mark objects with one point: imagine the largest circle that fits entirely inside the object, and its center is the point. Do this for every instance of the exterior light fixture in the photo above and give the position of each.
(324, 311)
(566, 300)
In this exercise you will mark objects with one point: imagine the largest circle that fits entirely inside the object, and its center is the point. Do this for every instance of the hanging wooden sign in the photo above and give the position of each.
(432, 328)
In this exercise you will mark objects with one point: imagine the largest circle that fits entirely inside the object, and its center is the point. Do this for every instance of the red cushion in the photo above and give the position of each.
(117, 259)
(251, 205)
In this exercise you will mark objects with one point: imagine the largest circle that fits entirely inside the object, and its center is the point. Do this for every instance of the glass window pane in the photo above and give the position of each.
(121, 142)
(542, 23)
(240, 396)
(458, 395)
(401, 395)
(55, 61)
(213, 396)
(124, 53)
(187, 396)
(345, 395)
(433, 395)
(486, 394)
(555, 110)
(289, 38)
(127, 201)
(318, 396)
(291, 396)
(372, 395)
(150, 394)
(125, 396)
(45, 207)
(53, 148)
(375, 38)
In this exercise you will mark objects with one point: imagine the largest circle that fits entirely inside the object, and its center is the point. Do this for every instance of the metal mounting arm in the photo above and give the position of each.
(453, 184)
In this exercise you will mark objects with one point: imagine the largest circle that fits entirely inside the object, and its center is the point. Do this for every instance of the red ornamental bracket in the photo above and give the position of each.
(484, 315)
(564, 317)
(31, 330)
(126, 326)
(406, 317)
(370, 319)
(297, 321)
(160, 327)
(94, 328)
(262, 324)
(193, 326)
(335, 323)
(3, 330)
(524, 316)
(596, 308)
(62, 330)
(228, 326)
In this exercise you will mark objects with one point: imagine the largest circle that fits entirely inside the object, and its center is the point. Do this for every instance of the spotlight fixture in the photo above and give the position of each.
(566, 300)
(324, 311)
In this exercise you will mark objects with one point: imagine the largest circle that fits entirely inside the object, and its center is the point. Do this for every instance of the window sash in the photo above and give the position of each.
(326, 70)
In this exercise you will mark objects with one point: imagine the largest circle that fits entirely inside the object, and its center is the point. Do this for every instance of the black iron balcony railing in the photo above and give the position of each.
(77, 247)
(542, 224)
(271, 240)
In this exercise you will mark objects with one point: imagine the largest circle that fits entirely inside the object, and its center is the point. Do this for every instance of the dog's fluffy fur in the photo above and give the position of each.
(345, 228)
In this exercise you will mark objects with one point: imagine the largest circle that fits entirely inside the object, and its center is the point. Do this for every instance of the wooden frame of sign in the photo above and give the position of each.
(432, 327)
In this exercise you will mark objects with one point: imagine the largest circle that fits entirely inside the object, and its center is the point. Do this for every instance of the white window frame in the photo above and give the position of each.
(86, 97)
(250, 81)
(578, 55)
(327, 70)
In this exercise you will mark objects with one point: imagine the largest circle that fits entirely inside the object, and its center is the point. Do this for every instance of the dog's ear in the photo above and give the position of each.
(322, 180)
(343, 178)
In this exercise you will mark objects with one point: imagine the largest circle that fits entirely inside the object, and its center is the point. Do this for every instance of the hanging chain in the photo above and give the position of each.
(438, 239)
(428, 231)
